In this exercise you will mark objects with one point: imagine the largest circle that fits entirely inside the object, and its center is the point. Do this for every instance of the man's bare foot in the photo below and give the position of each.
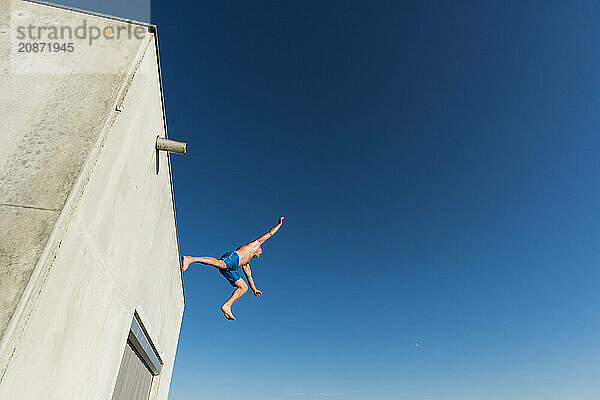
(185, 262)
(227, 312)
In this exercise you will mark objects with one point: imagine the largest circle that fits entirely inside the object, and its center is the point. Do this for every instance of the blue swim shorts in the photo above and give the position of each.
(232, 273)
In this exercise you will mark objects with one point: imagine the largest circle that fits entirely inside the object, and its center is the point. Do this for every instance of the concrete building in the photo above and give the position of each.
(91, 295)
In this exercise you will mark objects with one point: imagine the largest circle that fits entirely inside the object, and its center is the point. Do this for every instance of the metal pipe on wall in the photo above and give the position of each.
(172, 146)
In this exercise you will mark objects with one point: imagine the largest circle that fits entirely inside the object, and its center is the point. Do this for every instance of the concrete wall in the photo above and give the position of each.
(51, 120)
(108, 245)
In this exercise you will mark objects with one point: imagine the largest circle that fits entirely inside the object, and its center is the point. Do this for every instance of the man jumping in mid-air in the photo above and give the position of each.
(229, 264)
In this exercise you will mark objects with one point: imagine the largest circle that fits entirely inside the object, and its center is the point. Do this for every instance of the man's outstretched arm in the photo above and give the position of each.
(271, 232)
(248, 273)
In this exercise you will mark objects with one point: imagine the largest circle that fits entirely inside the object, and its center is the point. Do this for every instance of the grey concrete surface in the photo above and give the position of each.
(19, 252)
(87, 225)
(49, 124)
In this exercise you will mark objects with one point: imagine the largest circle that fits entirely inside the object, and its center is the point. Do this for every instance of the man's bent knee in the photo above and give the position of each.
(240, 284)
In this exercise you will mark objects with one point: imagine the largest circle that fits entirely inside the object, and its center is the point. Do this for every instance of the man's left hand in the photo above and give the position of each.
(257, 292)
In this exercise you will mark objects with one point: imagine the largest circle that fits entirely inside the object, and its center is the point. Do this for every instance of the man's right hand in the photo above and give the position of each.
(274, 229)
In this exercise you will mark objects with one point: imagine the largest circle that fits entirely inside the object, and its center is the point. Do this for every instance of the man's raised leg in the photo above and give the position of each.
(187, 260)
(242, 288)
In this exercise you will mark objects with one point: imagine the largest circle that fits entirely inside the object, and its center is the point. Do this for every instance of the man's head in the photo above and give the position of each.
(257, 253)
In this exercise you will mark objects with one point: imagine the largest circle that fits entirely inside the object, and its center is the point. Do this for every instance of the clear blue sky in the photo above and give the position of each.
(437, 164)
